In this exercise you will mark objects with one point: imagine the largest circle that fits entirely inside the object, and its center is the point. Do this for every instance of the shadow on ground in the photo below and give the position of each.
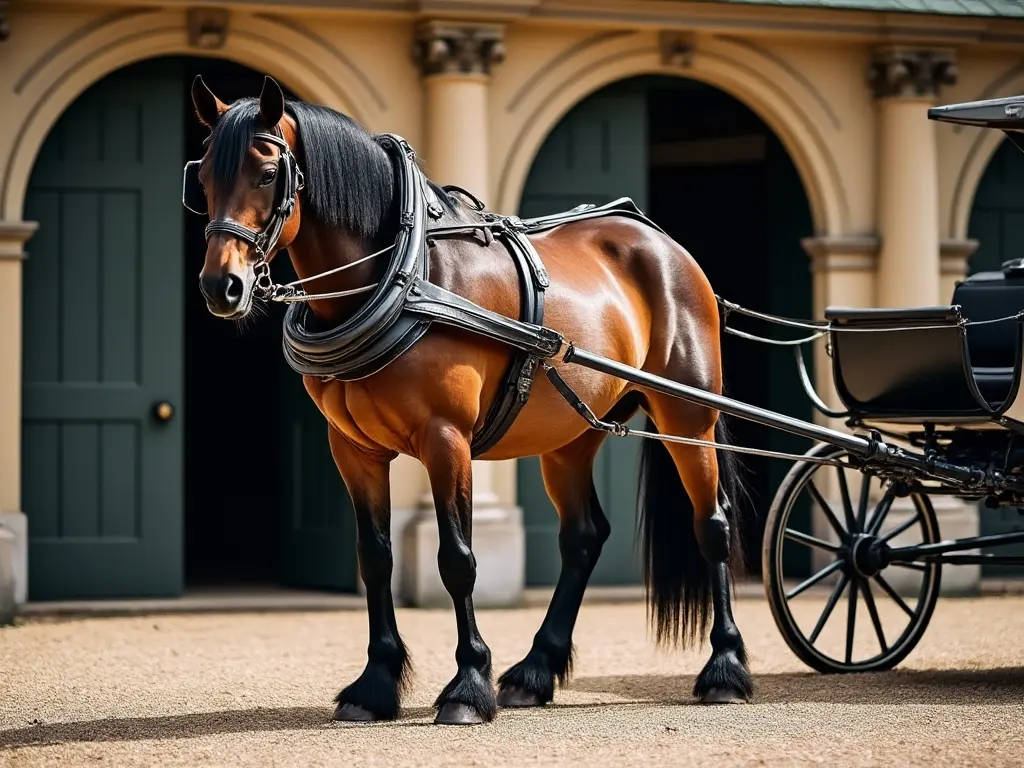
(942, 687)
(946, 687)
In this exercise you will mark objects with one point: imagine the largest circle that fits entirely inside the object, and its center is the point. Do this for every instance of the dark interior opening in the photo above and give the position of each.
(724, 187)
(233, 396)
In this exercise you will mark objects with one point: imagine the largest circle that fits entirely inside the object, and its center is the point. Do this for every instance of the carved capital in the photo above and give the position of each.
(5, 27)
(447, 48)
(911, 72)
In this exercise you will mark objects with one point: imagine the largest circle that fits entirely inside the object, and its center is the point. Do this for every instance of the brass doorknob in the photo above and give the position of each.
(163, 411)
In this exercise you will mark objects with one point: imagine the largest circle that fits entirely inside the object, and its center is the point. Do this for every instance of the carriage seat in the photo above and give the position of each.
(904, 365)
(992, 348)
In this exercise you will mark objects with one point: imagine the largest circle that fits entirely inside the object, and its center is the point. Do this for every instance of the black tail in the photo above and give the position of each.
(676, 575)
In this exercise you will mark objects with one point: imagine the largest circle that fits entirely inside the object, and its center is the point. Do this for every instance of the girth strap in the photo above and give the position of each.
(515, 392)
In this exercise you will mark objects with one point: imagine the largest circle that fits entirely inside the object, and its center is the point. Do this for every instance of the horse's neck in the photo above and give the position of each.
(316, 251)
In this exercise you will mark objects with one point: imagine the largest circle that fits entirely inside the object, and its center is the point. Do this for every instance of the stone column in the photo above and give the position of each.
(455, 59)
(906, 82)
(13, 236)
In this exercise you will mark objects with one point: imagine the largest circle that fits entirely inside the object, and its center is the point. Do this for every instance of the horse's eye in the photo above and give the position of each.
(268, 177)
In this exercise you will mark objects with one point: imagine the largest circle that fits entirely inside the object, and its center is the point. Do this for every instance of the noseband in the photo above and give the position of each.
(285, 195)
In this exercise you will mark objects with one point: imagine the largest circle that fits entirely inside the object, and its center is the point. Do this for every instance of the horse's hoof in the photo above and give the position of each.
(722, 696)
(454, 713)
(353, 713)
(517, 697)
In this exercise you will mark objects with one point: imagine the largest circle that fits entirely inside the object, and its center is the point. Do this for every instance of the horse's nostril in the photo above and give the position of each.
(233, 288)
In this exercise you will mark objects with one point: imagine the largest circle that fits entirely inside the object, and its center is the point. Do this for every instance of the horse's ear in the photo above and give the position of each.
(208, 107)
(271, 102)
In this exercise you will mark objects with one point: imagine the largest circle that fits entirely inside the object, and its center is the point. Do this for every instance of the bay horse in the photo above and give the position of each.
(618, 287)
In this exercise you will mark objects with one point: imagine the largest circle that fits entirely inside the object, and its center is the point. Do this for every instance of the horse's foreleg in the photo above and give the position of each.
(583, 530)
(469, 697)
(376, 693)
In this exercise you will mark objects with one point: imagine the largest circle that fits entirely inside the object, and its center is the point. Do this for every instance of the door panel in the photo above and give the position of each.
(997, 222)
(102, 315)
(596, 154)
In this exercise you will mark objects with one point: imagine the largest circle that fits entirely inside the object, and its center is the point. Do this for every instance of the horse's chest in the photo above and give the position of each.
(351, 410)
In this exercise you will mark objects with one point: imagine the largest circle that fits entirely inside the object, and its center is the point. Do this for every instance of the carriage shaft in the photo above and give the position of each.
(921, 551)
(856, 445)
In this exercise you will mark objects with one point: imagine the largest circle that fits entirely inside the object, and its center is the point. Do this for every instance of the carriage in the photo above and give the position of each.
(943, 382)
(398, 351)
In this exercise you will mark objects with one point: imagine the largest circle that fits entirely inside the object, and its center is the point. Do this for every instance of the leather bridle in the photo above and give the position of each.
(263, 241)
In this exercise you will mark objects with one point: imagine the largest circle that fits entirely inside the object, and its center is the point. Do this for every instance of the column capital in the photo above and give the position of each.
(13, 236)
(910, 72)
(458, 48)
(857, 253)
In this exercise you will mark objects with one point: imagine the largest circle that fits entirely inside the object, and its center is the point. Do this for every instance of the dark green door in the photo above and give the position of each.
(597, 153)
(997, 222)
(318, 526)
(101, 477)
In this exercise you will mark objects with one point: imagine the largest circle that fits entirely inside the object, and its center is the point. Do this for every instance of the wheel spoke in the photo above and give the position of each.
(810, 541)
(826, 509)
(851, 620)
(832, 600)
(892, 593)
(862, 503)
(880, 513)
(901, 528)
(847, 505)
(830, 568)
(869, 599)
(912, 566)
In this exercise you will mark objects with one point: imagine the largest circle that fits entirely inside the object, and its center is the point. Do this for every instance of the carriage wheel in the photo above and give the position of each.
(893, 623)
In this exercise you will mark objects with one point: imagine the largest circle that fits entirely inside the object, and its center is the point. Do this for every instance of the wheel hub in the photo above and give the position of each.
(866, 555)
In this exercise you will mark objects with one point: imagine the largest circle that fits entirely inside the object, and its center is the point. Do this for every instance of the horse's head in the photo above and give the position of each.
(247, 182)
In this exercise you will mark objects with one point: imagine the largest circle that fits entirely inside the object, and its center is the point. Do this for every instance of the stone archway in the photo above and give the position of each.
(799, 115)
(61, 74)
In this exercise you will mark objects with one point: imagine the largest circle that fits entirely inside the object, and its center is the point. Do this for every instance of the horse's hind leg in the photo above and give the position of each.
(469, 697)
(376, 693)
(688, 547)
(583, 530)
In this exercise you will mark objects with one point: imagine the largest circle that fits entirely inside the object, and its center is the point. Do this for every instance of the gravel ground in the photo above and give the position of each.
(256, 689)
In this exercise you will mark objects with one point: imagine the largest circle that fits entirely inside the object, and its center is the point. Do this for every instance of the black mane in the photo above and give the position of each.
(350, 180)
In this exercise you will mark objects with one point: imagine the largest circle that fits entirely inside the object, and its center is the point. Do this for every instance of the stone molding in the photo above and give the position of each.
(454, 48)
(902, 72)
(953, 256)
(13, 236)
(848, 254)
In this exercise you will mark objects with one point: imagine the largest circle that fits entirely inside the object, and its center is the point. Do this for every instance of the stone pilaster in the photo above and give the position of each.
(13, 236)
(905, 82)
(455, 60)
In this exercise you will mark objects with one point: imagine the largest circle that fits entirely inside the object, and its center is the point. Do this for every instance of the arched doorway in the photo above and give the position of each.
(706, 168)
(238, 485)
(997, 223)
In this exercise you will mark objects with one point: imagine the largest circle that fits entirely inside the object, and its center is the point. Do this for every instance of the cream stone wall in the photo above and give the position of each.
(802, 70)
